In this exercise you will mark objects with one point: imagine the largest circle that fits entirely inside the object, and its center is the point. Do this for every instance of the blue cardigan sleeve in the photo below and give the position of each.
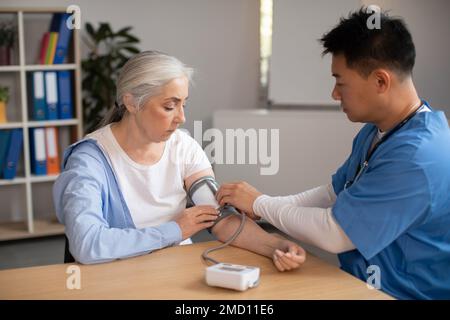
(79, 195)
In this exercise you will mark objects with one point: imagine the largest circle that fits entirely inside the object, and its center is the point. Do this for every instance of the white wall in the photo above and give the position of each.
(299, 76)
(219, 38)
(429, 24)
(298, 72)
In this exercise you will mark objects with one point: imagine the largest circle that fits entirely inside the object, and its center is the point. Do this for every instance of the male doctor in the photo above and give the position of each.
(388, 205)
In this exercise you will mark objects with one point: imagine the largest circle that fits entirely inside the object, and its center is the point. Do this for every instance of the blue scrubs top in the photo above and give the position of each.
(397, 214)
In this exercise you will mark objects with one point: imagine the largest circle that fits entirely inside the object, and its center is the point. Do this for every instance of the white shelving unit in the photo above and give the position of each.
(26, 208)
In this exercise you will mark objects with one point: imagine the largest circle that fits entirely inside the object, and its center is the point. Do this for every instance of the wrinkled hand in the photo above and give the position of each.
(194, 219)
(241, 195)
(288, 256)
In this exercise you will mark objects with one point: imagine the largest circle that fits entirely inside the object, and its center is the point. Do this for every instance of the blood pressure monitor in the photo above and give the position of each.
(232, 276)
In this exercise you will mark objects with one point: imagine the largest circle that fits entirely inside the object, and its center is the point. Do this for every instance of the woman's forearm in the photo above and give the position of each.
(252, 236)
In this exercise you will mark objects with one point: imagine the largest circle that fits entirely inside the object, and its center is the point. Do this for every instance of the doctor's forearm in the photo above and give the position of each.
(315, 226)
(320, 197)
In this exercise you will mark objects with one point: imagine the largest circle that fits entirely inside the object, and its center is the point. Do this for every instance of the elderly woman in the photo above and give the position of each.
(122, 192)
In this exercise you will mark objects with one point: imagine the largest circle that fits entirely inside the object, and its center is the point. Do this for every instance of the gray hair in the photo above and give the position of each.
(143, 76)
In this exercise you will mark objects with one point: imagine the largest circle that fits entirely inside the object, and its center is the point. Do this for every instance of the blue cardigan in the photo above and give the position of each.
(89, 202)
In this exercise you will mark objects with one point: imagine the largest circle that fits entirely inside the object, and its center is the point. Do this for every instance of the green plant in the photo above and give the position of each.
(7, 34)
(109, 51)
(4, 94)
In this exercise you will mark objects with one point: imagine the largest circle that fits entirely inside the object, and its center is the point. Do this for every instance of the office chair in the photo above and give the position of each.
(68, 258)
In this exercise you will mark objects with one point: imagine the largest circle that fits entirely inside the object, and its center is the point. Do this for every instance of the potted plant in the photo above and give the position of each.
(109, 51)
(7, 39)
(4, 97)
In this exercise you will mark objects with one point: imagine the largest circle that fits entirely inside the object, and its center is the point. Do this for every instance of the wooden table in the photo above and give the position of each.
(178, 273)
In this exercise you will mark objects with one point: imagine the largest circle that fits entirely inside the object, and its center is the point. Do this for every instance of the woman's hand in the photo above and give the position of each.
(194, 219)
(288, 256)
(241, 195)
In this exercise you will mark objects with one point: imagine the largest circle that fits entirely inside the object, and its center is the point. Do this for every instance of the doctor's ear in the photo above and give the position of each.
(382, 80)
(129, 102)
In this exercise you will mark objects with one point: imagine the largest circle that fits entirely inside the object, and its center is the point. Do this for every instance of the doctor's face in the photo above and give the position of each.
(164, 113)
(355, 93)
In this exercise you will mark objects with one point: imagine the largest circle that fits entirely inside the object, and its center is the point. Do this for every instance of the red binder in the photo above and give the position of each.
(51, 140)
(44, 46)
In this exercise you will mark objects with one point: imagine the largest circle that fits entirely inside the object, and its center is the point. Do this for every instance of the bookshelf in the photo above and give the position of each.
(26, 209)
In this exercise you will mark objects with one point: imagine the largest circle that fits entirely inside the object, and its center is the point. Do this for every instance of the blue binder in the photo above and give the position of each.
(13, 153)
(59, 25)
(51, 95)
(65, 103)
(38, 152)
(37, 89)
(4, 144)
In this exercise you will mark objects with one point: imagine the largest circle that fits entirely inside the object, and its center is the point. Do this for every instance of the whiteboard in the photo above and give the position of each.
(300, 76)
(298, 73)
(429, 24)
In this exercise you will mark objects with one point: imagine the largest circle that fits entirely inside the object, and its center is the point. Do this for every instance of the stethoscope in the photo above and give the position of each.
(365, 164)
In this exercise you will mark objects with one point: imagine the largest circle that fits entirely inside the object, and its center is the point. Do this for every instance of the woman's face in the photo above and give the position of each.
(164, 113)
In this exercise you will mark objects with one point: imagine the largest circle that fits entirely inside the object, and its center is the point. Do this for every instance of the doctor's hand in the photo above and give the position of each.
(241, 195)
(288, 256)
(194, 219)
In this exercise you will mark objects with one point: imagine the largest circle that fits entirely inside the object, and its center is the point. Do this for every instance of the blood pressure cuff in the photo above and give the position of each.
(203, 192)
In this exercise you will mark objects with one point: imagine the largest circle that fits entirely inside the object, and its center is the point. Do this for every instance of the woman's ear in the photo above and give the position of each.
(128, 101)
(382, 80)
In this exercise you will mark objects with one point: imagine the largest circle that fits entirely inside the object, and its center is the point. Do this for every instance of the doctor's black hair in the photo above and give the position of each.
(365, 49)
